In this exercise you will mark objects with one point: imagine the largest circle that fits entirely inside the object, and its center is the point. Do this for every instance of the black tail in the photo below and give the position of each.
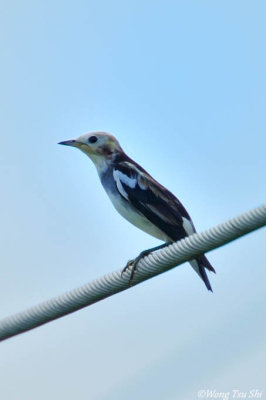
(203, 260)
(199, 265)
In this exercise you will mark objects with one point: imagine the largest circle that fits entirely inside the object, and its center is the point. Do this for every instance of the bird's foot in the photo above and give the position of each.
(133, 264)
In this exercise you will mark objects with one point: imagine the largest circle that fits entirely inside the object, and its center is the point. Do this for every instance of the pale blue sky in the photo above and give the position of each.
(183, 87)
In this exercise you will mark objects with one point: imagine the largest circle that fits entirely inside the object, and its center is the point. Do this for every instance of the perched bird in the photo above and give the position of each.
(138, 197)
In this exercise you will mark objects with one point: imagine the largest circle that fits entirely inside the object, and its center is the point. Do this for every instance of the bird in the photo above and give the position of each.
(139, 198)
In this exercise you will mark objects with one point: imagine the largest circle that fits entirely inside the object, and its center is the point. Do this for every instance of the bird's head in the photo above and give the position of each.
(99, 146)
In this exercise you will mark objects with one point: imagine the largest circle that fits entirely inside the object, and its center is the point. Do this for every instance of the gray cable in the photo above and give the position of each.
(152, 265)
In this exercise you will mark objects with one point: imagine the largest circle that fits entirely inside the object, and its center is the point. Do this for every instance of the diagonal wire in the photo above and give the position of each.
(152, 265)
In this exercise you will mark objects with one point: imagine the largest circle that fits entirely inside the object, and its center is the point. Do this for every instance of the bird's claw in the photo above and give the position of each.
(134, 263)
(131, 264)
(128, 265)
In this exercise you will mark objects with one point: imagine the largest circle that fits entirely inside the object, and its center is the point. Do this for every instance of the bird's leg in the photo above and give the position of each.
(135, 261)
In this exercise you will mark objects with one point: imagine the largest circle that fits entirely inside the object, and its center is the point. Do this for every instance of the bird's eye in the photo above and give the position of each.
(92, 139)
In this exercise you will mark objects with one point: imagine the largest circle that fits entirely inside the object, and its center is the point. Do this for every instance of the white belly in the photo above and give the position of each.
(136, 218)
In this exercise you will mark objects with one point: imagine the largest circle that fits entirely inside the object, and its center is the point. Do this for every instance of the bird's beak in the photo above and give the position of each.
(73, 143)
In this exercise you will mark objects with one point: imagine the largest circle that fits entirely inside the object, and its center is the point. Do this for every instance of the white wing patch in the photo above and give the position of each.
(120, 178)
(188, 226)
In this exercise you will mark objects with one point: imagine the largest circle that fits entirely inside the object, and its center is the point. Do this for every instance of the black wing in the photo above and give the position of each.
(152, 200)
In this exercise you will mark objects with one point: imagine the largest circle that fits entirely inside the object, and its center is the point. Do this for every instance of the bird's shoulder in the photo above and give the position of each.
(134, 176)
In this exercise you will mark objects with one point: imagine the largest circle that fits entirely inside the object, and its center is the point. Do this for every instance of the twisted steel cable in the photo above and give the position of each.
(152, 265)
